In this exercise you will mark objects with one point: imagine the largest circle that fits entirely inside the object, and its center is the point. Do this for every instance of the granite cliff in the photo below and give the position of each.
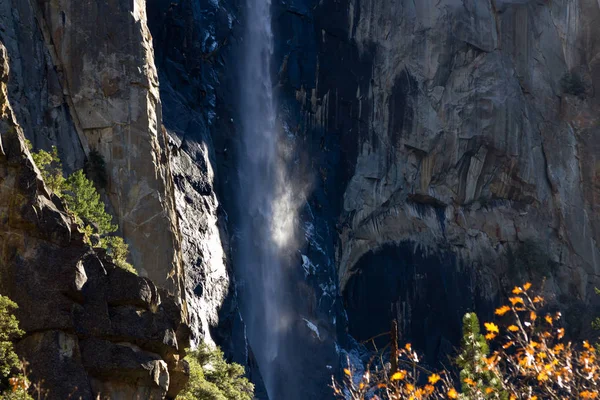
(441, 151)
(92, 329)
(448, 154)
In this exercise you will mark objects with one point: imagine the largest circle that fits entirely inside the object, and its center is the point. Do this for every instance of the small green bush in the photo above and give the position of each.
(9, 361)
(9, 331)
(83, 200)
(117, 248)
(472, 361)
(50, 167)
(213, 378)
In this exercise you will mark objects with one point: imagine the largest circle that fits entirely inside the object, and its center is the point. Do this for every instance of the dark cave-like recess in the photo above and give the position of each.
(426, 290)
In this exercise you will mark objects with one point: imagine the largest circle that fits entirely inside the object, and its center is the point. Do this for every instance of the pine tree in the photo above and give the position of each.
(474, 376)
(84, 201)
(9, 331)
(50, 167)
(213, 378)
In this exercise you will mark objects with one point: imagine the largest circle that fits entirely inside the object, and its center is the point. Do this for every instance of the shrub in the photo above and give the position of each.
(474, 375)
(213, 378)
(50, 167)
(531, 361)
(9, 331)
(118, 250)
(9, 361)
(83, 200)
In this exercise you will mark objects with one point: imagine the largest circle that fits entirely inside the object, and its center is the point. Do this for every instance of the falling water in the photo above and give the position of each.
(264, 212)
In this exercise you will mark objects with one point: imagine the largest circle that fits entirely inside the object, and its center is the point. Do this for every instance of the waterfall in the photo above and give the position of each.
(265, 213)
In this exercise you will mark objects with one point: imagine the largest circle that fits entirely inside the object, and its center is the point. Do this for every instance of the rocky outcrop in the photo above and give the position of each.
(86, 77)
(454, 130)
(35, 87)
(192, 77)
(92, 329)
(467, 139)
(204, 250)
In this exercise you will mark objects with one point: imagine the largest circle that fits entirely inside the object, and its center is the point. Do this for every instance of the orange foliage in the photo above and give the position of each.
(531, 361)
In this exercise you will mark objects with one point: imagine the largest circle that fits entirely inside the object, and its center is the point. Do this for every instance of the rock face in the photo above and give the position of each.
(467, 129)
(457, 143)
(451, 149)
(101, 70)
(190, 40)
(35, 88)
(441, 135)
(93, 329)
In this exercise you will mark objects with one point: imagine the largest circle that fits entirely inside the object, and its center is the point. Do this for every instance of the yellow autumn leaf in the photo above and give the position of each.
(517, 290)
(527, 286)
(398, 376)
(490, 336)
(532, 316)
(561, 333)
(491, 327)
(502, 310)
(452, 394)
(488, 390)
(515, 300)
(548, 319)
(347, 372)
(433, 378)
(513, 328)
(559, 347)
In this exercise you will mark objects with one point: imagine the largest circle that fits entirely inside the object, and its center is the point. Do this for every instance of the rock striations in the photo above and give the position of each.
(451, 148)
(92, 329)
(85, 80)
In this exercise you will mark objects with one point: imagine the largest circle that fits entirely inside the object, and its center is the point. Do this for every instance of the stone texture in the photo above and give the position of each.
(454, 130)
(36, 89)
(438, 131)
(204, 252)
(192, 78)
(91, 328)
(106, 68)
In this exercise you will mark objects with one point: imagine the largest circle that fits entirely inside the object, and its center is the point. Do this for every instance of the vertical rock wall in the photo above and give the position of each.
(193, 56)
(36, 87)
(92, 330)
(104, 50)
(85, 80)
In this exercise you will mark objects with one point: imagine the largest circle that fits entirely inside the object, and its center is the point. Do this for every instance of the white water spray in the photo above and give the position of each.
(267, 213)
